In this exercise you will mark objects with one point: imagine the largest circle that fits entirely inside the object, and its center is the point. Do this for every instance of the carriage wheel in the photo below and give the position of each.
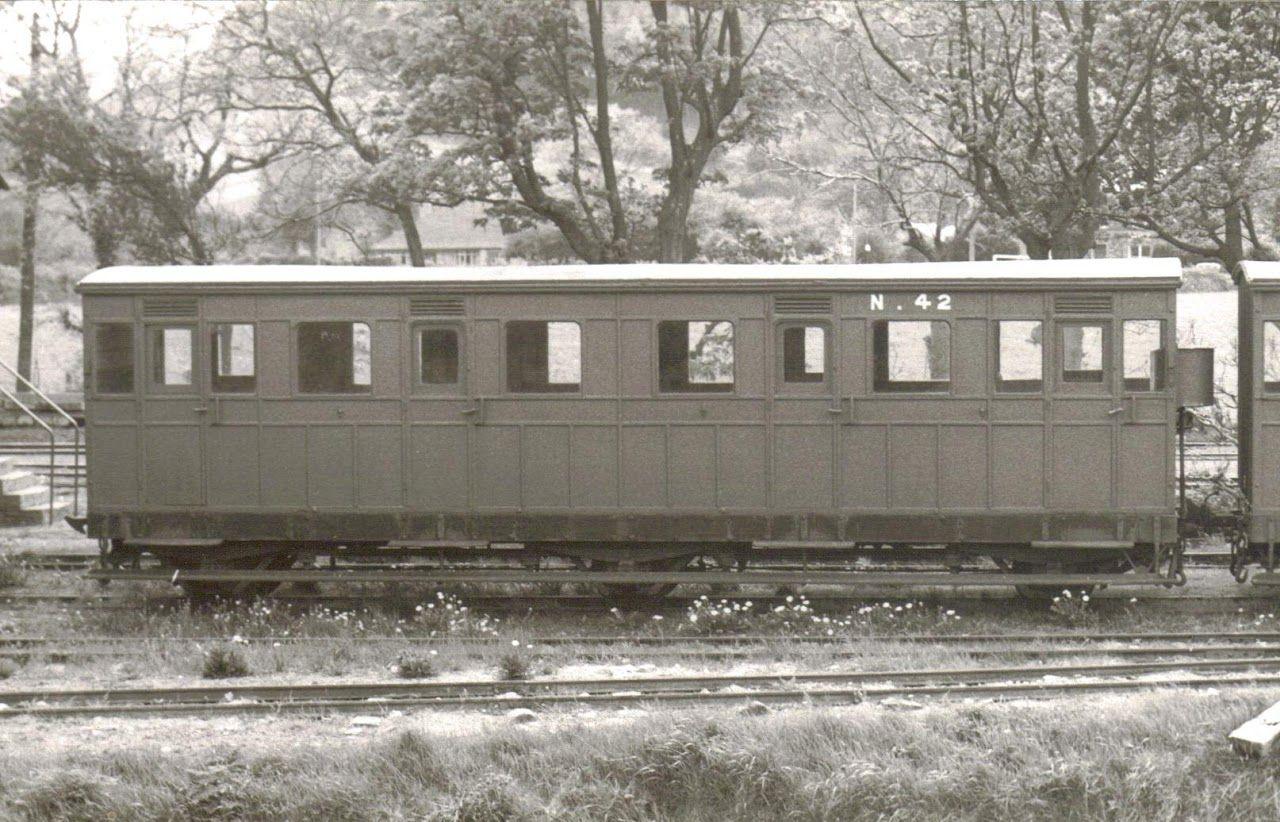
(639, 594)
(279, 561)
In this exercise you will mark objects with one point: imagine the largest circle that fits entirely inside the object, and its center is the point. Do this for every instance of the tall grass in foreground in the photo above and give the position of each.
(1159, 756)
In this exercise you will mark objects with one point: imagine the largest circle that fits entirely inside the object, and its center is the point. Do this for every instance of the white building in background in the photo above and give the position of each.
(450, 236)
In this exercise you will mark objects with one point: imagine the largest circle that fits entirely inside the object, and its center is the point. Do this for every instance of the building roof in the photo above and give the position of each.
(448, 229)
(1144, 271)
(1253, 271)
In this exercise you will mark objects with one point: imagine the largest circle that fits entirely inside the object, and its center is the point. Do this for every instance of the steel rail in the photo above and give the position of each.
(366, 691)
(14, 640)
(367, 698)
(740, 652)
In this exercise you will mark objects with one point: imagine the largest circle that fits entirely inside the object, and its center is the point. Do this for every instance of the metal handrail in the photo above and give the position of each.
(75, 426)
(52, 440)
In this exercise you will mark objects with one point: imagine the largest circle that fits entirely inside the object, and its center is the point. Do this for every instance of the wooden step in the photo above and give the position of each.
(13, 481)
(36, 516)
(35, 496)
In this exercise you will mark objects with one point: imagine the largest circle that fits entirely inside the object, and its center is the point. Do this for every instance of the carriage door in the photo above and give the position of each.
(230, 376)
(1145, 426)
(1084, 405)
(173, 405)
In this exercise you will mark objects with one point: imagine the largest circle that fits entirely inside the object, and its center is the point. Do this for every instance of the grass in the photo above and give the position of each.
(1158, 756)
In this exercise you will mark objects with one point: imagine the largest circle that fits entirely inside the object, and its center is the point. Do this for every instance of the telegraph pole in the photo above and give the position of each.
(30, 210)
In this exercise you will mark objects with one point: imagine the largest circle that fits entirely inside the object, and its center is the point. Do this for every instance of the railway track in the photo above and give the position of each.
(803, 686)
(518, 603)
(694, 649)
(1198, 638)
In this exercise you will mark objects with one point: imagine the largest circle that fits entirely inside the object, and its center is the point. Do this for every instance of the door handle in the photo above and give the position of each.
(476, 412)
(203, 409)
(1115, 411)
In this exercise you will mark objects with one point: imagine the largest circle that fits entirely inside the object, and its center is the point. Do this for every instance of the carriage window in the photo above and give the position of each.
(335, 358)
(912, 355)
(543, 357)
(695, 355)
(804, 353)
(1270, 356)
(438, 356)
(113, 366)
(231, 358)
(1082, 356)
(171, 356)
(1020, 355)
(1144, 363)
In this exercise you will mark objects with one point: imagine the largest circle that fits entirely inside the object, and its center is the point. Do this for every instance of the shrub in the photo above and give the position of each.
(514, 665)
(223, 662)
(7, 668)
(411, 666)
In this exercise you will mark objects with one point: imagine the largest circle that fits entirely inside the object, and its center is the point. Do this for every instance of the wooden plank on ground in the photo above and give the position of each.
(1258, 736)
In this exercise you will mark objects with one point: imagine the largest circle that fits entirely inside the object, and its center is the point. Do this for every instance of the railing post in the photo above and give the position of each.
(75, 426)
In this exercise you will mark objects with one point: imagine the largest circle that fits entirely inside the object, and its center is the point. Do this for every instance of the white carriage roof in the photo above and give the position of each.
(1146, 269)
(1253, 271)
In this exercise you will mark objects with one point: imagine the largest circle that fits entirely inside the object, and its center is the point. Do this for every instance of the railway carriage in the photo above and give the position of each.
(643, 420)
(1258, 408)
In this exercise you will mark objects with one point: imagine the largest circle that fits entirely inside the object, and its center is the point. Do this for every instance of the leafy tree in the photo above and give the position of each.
(1197, 160)
(522, 98)
(311, 74)
(140, 163)
(1023, 103)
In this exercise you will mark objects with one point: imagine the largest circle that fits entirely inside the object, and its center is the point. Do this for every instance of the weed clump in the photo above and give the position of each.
(1073, 609)
(515, 665)
(412, 666)
(13, 574)
(224, 662)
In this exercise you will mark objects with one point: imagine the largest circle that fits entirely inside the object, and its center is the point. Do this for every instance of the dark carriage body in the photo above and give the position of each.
(860, 404)
(1258, 406)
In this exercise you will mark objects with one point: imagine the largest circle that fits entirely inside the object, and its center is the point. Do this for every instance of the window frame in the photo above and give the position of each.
(1103, 386)
(880, 382)
(732, 389)
(212, 327)
(149, 360)
(505, 372)
(783, 387)
(1269, 387)
(296, 352)
(1001, 386)
(1161, 374)
(457, 388)
(96, 371)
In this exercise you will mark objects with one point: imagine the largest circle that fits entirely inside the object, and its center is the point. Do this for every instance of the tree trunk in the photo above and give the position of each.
(30, 212)
(404, 212)
(673, 222)
(1233, 229)
(1038, 248)
(27, 287)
